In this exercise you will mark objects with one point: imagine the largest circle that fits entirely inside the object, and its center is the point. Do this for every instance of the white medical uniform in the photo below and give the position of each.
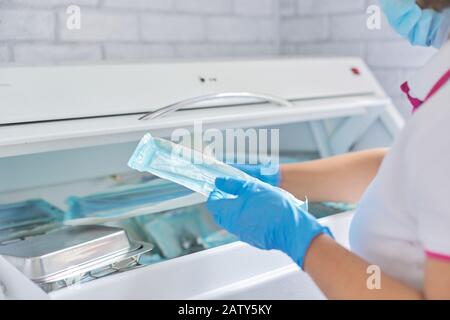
(405, 213)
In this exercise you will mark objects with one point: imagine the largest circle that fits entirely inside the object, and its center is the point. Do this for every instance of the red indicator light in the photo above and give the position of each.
(356, 71)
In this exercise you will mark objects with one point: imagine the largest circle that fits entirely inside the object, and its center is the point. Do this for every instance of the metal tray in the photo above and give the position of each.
(71, 251)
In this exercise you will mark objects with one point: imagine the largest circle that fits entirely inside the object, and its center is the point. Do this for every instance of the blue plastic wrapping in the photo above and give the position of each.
(119, 201)
(185, 166)
(24, 218)
(181, 165)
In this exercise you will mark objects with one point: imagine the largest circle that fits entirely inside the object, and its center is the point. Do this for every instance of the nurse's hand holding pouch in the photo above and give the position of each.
(264, 217)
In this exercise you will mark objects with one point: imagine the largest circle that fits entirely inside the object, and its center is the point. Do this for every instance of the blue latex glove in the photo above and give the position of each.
(262, 216)
(256, 171)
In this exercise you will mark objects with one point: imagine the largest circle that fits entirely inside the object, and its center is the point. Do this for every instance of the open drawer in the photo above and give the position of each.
(233, 271)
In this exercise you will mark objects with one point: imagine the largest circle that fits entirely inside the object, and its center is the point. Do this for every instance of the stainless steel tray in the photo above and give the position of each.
(71, 251)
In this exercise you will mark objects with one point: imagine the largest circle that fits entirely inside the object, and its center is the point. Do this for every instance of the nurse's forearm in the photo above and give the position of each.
(342, 178)
(341, 274)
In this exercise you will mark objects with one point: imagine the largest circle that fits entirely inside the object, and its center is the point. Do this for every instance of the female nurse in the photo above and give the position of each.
(402, 223)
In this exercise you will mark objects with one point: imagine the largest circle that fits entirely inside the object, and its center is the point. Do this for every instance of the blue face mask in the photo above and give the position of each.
(444, 32)
(422, 27)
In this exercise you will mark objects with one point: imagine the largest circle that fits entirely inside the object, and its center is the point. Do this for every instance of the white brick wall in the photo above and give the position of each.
(338, 27)
(163, 5)
(172, 28)
(32, 53)
(19, 25)
(4, 54)
(304, 29)
(263, 8)
(238, 30)
(34, 31)
(101, 26)
(131, 51)
(204, 6)
(50, 3)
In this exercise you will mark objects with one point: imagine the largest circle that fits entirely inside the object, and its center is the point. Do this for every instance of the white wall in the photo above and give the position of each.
(338, 27)
(34, 31)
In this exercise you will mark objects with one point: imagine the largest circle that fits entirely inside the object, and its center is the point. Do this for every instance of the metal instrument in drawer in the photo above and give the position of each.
(71, 253)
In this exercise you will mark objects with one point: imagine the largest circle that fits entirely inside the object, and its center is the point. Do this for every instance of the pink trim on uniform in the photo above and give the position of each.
(416, 103)
(442, 81)
(437, 256)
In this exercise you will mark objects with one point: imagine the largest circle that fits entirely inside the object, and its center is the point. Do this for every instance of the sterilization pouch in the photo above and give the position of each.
(185, 166)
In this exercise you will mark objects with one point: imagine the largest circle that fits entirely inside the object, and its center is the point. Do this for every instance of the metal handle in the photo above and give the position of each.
(188, 102)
